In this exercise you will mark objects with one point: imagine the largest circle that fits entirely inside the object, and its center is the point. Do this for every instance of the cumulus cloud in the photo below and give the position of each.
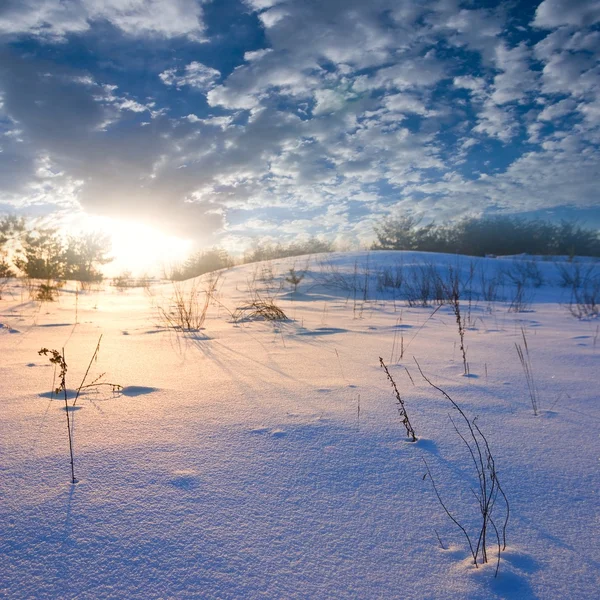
(556, 13)
(195, 75)
(56, 19)
(326, 116)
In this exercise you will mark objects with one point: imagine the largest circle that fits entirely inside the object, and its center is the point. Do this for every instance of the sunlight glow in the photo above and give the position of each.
(138, 247)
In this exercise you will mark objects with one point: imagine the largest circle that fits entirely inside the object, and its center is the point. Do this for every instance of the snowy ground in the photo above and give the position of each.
(236, 463)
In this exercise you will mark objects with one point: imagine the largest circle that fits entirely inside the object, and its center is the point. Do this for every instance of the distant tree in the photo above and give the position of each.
(572, 239)
(84, 254)
(262, 250)
(41, 255)
(500, 235)
(404, 233)
(205, 261)
(5, 270)
(10, 229)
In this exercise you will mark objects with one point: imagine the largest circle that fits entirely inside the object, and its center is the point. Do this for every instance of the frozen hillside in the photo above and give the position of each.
(254, 458)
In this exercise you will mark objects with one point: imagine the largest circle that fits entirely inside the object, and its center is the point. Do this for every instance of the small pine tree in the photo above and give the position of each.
(84, 254)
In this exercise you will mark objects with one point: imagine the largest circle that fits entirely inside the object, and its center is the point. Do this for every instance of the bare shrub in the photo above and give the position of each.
(330, 275)
(488, 492)
(573, 274)
(356, 284)
(585, 301)
(521, 300)
(259, 309)
(122, 281)
(525, 273)
(418, 286)
(391, 278)
(489, 286)
(46, 292)
(188, 306)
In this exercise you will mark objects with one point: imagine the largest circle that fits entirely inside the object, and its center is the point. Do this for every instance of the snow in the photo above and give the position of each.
(264, 459)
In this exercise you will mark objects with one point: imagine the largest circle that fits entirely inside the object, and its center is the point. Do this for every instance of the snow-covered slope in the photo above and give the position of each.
(258, 459)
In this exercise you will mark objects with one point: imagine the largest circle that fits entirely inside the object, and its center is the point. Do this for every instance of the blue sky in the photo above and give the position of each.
(226, 120)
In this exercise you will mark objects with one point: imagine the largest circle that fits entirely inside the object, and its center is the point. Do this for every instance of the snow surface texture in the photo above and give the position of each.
(236, 463)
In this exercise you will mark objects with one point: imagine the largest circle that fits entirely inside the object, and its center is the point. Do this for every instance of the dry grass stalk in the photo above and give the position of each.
(401, 406)
(58, 359)
(525, 360)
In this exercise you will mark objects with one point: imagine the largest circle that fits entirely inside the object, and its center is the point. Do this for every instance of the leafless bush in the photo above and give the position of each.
(125, 281)
(261, 305)
(489, 286)
(488, 492)
(439, 285)
(419, 285)
(259, 309)
(356, 285)
(332, 276)
(189, 303)
(46, 292)
(585, 299)
(574, 274)
(521, 300)
(525, 273)
(391, 278)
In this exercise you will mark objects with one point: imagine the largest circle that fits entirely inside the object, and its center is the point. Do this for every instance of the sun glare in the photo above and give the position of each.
(139, 248)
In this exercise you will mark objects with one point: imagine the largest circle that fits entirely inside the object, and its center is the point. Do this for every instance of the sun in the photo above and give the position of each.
(138, 247)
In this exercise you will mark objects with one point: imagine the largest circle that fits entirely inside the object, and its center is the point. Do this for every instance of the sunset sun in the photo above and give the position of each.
(138, 247)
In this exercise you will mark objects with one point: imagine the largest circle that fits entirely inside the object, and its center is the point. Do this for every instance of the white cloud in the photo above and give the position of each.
(412, 73)
(555, 111)
(517, 79)
(328, 101)
(56, 19)
(44, 18)
(256, 54)
(556, 13)
(477, 29)
(406, 103)
(195, 75)
(496, 122)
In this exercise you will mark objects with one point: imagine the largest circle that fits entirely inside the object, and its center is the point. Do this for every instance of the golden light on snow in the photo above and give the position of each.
(138, 247)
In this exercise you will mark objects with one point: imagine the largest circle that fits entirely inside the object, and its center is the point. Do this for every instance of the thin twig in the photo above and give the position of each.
(88, 369)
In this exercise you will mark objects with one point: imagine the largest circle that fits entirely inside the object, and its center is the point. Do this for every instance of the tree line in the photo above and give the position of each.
(497, 235)
(206, 261)
(43, 253)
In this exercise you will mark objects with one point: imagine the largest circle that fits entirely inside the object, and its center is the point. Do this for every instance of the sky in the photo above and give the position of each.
(226, 120)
